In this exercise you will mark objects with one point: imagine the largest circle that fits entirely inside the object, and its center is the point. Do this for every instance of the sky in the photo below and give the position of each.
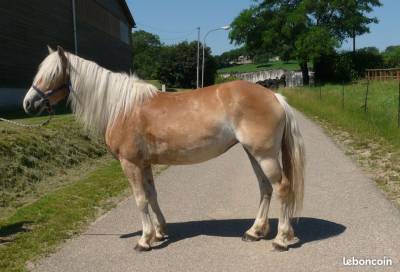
(176, 20)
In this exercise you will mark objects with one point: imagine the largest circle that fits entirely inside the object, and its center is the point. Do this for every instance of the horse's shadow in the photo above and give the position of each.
(306, 229)
(8, 232)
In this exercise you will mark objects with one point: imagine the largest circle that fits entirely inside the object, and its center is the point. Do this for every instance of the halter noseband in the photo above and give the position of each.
(45, 95)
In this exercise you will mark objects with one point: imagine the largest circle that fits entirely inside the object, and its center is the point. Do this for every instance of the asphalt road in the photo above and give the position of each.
(209, 206)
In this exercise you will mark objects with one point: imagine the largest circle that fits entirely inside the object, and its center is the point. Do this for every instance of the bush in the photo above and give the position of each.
(346, 66)
(392, 56)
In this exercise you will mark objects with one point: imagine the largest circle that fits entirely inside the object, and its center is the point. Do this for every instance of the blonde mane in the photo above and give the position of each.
(98, 95)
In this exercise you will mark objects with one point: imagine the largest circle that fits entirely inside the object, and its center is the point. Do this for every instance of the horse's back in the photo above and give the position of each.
(194, 126)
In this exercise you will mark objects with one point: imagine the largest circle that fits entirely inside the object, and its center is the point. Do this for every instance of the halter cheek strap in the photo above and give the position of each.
(46, 95)
(49, 93)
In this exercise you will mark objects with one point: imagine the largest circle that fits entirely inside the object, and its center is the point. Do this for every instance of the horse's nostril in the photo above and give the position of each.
(27, 105)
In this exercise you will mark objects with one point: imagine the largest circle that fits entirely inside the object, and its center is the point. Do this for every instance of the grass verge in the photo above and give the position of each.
(38, 228)
(371, 138)
(31, 157)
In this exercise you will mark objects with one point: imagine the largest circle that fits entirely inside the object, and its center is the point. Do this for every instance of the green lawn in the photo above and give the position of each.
(380, 120)
(253, 67)
(32, 159)
(36, 229)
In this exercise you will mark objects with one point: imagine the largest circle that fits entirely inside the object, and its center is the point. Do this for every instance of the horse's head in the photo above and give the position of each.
(51, 83)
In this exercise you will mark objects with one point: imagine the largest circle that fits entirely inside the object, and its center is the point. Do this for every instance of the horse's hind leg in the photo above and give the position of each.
(159, 222)
(285, 236)
(267, 171)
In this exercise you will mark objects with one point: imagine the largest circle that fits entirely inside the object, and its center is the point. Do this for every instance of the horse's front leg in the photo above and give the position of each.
(137, 179)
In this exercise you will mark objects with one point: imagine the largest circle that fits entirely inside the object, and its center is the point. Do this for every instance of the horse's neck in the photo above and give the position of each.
(102, 96)
(89, 84)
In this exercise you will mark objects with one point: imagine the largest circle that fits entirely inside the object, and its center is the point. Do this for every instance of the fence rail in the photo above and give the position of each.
(383, 74)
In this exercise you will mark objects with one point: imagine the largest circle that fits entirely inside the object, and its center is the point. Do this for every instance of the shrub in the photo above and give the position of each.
(346, 66)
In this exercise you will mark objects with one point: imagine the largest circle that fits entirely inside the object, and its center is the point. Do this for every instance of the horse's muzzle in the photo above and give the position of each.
(36, 105)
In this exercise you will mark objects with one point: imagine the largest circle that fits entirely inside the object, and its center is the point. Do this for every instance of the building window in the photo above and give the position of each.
(124, 32)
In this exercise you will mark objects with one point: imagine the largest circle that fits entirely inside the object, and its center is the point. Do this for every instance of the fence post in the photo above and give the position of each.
(366, 98)
(342, 95)
(320, 91)
(398, 109)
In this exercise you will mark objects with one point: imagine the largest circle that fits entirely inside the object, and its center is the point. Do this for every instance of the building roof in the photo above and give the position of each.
(127, 12)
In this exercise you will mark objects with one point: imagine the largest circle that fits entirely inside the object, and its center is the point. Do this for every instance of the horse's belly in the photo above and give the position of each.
(192, 151)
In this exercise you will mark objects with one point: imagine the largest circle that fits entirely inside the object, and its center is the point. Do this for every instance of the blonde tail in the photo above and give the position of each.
(293, 158)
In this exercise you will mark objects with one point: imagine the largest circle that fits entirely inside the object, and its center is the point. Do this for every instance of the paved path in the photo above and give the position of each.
(210, 205)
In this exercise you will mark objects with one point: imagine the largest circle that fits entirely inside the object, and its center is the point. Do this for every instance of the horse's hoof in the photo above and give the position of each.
(279, 247)
(248, 238)
(139, 248)
(160, 239)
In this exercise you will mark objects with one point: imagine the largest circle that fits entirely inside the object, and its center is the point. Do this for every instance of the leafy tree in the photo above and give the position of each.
(392, 56)
(302, 29)
(225, 58)
(178, 65)
(370, 49)
(354, 20)
(392, 48)
(146, 54)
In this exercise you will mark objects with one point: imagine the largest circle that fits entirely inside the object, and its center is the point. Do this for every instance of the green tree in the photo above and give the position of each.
(392, 56)
(370, 49)
(354, 20)
(146, 54)
(225, 58)
(178, 65)
(302, 29)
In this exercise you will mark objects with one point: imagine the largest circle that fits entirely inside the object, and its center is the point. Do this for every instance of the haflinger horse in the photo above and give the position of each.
(142, 126)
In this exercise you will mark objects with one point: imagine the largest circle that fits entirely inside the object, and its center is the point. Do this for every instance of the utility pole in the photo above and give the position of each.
(204, 50)
(198, 56)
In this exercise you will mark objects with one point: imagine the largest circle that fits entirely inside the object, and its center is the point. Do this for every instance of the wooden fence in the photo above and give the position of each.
(383, 74)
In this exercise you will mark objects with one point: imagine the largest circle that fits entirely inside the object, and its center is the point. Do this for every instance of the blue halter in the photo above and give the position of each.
(49, 93)
(46, 95)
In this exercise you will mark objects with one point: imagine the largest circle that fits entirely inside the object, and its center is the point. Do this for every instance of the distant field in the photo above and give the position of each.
(253, 67)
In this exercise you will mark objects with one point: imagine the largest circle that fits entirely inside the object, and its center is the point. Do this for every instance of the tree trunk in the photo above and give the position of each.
(304, 72)
(354, 41)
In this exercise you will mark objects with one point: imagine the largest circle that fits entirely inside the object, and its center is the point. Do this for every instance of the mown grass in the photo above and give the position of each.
(28, 157)
(255, 67)
(379, 121)
(36, 229)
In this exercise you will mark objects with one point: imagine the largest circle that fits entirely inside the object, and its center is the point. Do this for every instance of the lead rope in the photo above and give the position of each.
(19, 124)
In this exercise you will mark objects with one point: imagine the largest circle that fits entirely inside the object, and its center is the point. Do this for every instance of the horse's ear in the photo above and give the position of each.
(64, 60)
(60, 51)
(50, 49)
